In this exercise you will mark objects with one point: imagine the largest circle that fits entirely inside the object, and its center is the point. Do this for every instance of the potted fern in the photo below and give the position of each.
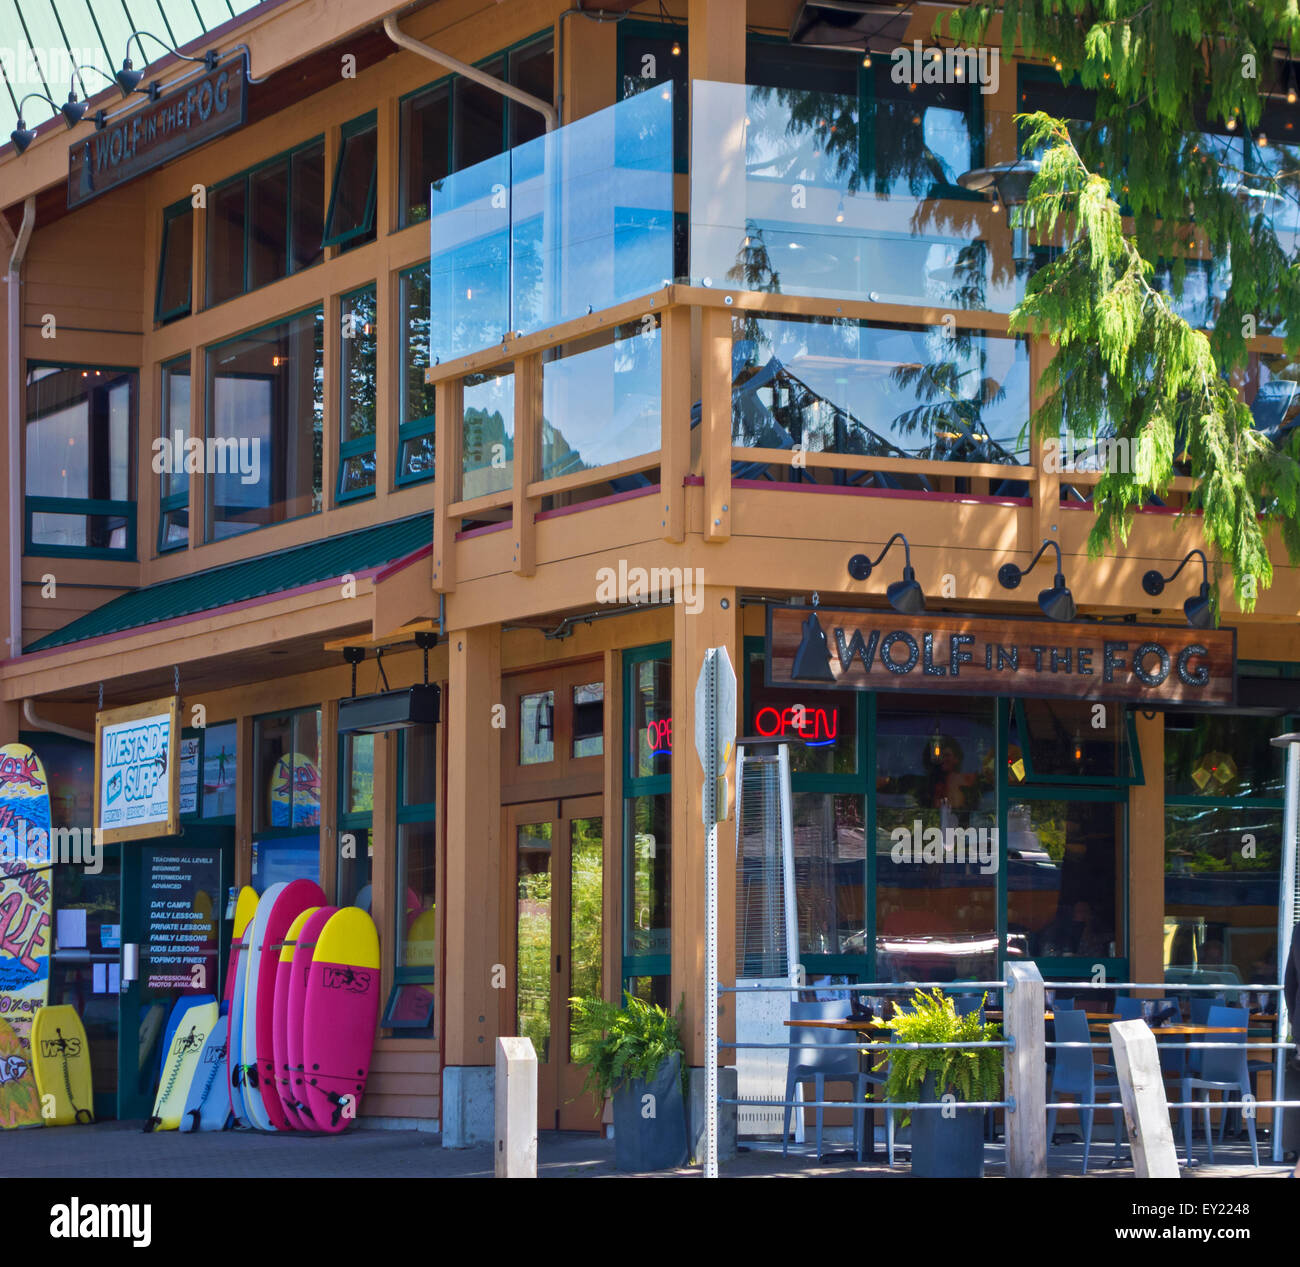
(947, 1143)
(634, 1055)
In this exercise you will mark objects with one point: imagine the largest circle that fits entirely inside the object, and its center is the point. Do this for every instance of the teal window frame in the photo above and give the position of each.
(173, 502)
(266, 831)
(286, 157)
(170, 215)
(635, 786)
(1033, 779)
(368, 122)
(126, 510)
(409, 429)
(355, 821)
(414, 812)
(359, 446)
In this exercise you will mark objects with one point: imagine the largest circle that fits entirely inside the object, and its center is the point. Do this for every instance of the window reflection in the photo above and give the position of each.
(533, 938)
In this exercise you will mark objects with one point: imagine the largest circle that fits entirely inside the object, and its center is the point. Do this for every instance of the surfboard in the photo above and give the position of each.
(207, 1107)
(254, 1112)
(20, 1102)
(61, 1063)
(285, 907)
(182, 1062)
(26, 888)
(280, 1018)
(302, 957)
(151, 1025)
(295, 792)
(339, 1016)
(245, 910)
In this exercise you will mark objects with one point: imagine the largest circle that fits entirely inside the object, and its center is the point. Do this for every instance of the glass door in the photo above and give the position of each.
(557, 931)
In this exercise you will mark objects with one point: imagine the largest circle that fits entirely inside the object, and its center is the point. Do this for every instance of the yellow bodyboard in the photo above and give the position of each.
(182, 1064)
(245, 909)
(61, 1063)
(348, 937)
(290, 943)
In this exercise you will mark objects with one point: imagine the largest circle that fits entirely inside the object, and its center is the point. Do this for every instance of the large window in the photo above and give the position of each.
(217, 791)
(265, 223)
(415, 435)
(357, 365)
(411, 1002)
(356, 820)
(648, 822)
(455, 123)
(286, 792)
(175, 264)
(351, 218)
(264, 411)
(174, 480)
(79, 481)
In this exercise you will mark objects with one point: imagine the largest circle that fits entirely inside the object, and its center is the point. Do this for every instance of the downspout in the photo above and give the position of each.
(39, 723)
(13, 329)
(544, 108)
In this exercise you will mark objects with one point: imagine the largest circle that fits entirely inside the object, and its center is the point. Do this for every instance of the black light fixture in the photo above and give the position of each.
(128, 78)
(1199, 609)
(905, 596)
(22, 136)
(1006, 185)
(1057, 603)
(418, 705)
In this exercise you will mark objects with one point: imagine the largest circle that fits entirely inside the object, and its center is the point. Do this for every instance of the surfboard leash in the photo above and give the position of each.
(77, 1114)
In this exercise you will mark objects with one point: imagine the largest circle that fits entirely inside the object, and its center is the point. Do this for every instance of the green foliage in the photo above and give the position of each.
(972, 1073)
(1180, 87)
(621, 1043)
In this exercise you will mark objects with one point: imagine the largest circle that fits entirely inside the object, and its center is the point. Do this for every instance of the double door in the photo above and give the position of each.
(556, 933)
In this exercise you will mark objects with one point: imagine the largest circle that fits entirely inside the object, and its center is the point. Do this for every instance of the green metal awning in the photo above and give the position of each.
(260, 577)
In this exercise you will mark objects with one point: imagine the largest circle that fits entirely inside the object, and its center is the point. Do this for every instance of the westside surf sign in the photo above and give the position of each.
(26, 887)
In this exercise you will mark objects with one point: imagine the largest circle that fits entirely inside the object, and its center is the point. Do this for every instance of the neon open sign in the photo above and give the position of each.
(659, 734)
(817, 727)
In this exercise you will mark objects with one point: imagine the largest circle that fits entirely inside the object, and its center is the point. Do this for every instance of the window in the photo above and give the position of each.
(79, 480)
(648, 821)
(1072, 741)
(265, 223)
(264, 407)
(411, 1002)
(415, 435)
(217, 778)
(356, 819)
(456, 123)
(286, 798)
(357, 395)
(175, 264)
(351, 218)
(174, 481)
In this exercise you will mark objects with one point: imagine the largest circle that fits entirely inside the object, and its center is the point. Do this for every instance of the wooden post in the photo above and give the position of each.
(1146, 856)
(1146, 1111)
(527, 462)
(448, 404)
(1026, 1072)
(516, 1109)
(675, 421)
(715, 429)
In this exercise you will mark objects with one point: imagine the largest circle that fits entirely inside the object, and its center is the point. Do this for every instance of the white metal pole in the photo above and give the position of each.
(787, 864)
(711, 926)
(1286, 912)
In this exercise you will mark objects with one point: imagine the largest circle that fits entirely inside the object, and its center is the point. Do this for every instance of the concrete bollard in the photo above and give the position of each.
(1146, 1110)
(1025, 1069)
(516, 1109)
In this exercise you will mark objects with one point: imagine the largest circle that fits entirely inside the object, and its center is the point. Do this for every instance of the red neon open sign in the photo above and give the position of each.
(659, 734)
(817, 727)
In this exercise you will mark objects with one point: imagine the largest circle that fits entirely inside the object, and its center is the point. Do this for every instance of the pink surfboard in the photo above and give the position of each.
(279, 1019)
(290, 1075)
(339, 1017)
(293, 899)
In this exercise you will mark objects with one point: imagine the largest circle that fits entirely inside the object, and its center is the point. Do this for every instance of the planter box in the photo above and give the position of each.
(946, 1147)
(644, 1143)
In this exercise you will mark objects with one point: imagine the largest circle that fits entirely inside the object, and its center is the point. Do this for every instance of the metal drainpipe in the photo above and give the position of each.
(40, 723)
(544, 108)
(13, 329)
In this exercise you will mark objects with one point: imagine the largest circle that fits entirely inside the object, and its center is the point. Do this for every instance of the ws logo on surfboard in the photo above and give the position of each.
(60, 1046)
(346, 979)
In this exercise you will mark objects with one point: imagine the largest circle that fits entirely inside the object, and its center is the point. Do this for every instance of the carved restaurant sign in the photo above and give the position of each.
(880, 650)
(191, 114)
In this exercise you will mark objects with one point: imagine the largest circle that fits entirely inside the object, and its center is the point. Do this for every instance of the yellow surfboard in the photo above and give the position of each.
(61, 1063)
(182, 1064)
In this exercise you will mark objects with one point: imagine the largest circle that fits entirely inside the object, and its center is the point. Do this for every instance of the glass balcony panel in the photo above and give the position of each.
(489, 435)
(600, 400)
(843, 386)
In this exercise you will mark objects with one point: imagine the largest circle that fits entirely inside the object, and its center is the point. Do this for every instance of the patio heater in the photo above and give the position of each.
(1006, 185)
(1286, 914)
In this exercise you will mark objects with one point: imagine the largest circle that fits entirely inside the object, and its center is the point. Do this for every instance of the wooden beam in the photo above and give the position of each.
(448, 406)
(1146, 854)
(675, 419)
(715, 426)
(527, 462)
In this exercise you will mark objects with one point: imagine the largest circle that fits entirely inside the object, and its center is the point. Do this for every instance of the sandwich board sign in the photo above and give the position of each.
(715, 729)
(137, 771)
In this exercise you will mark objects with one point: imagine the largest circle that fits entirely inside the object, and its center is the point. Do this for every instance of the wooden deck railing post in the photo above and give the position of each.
(715, 424)
(527, 461)
(675, 420)
(448, 433)
(1025, 1069)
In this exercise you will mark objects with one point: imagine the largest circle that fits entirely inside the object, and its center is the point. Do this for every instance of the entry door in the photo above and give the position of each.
(557, 927)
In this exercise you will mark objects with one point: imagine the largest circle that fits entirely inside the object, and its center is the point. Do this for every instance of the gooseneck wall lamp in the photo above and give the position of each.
(905, 596)
(72, 110)
(128, 78)
(1199, 609)
(1057, 603)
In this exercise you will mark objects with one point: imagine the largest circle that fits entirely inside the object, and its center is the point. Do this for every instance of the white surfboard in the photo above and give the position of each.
(254, 1108)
